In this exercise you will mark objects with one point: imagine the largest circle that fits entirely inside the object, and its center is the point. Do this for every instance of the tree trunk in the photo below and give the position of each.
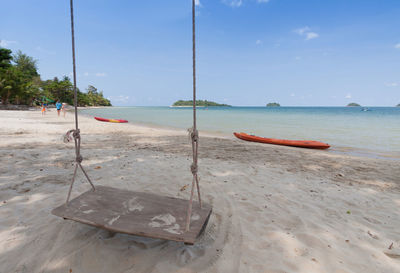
(5, 97)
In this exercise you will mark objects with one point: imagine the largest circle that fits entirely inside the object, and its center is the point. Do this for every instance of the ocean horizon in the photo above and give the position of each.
(367, 131)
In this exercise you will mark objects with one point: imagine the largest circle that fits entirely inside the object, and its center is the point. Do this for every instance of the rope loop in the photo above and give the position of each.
(68, 137)
(72, 134)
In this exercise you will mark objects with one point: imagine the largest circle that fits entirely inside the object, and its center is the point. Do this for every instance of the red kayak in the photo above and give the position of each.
(295, 143)
(111, 120)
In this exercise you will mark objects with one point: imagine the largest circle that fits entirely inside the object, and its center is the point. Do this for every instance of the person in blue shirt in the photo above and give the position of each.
(58, 106)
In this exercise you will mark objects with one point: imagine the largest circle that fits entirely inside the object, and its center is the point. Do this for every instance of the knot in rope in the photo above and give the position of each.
(77, 137)
(193, 134)
(193, 168)
(76, 133)
(79, 158)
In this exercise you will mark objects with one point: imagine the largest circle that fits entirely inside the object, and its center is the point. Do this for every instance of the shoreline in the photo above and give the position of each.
(343, 150)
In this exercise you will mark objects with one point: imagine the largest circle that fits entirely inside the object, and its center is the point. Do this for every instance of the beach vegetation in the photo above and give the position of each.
(21, 84)
(353, 104)
(204, 103)
(273, 104)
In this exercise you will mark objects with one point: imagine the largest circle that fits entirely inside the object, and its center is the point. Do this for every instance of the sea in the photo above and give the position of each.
(369, 131)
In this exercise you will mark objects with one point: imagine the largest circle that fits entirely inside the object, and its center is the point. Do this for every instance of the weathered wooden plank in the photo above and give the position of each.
(136, 213)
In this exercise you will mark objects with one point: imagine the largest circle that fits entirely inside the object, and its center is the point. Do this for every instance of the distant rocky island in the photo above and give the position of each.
(273, 104)
(353, 104)
(398, 105)
(203, 103)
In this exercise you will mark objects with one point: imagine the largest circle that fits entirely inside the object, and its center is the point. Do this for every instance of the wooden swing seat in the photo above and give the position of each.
(136, 213)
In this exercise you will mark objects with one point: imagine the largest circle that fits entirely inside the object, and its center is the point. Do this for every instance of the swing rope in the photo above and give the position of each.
(75, 132)
(194, 134)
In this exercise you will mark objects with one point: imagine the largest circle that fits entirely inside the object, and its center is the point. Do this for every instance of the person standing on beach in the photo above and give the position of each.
(58, 106)
(43, 109)
(63, 109)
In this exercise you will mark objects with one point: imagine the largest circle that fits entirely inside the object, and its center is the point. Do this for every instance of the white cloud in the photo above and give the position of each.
(292, 95)
(297, 58)
(258, 42)
(197, 3)
(397, 46)
(302, 31)
(4, 43)
(311, 35)
(100, 74)
(391, 84)
(238, 3)
(86, 74)
(233, 3)
(307, 33)
(348, 96)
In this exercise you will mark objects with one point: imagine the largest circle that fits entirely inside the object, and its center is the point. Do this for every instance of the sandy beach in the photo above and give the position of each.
(275, 209)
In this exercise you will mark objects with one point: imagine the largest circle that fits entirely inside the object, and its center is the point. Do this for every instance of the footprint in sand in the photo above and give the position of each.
(393, 253)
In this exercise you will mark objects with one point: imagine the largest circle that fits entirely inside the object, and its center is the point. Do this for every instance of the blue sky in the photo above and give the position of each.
(250, 52)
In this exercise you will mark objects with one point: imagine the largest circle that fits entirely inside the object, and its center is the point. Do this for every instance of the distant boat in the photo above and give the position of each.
(366, 109)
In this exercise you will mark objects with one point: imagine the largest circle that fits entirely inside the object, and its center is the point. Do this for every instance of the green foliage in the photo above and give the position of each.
(56, 89)
(63, 90)
(20, 83)
(5, 74)
(94, 98)
(273, 104)
(5, 58)
(19, 79)
(353, 104)
(205, 103)
(27, 65)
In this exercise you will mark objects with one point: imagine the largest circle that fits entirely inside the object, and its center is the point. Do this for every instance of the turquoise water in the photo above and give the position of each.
(346, 128)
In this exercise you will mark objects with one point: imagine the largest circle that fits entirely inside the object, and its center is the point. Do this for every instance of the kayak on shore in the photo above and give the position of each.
(111, 120)
(295, 143)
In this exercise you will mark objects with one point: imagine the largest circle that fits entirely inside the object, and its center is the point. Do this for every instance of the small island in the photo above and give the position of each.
(273, 104)
(202, 103)
(398, 105)
(353, 104)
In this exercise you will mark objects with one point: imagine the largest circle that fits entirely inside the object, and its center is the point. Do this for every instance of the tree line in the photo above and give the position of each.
(205, 103)
(20, 83)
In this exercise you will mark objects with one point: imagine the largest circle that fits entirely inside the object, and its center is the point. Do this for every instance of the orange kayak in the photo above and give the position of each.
(111, 120)
(295, 143)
